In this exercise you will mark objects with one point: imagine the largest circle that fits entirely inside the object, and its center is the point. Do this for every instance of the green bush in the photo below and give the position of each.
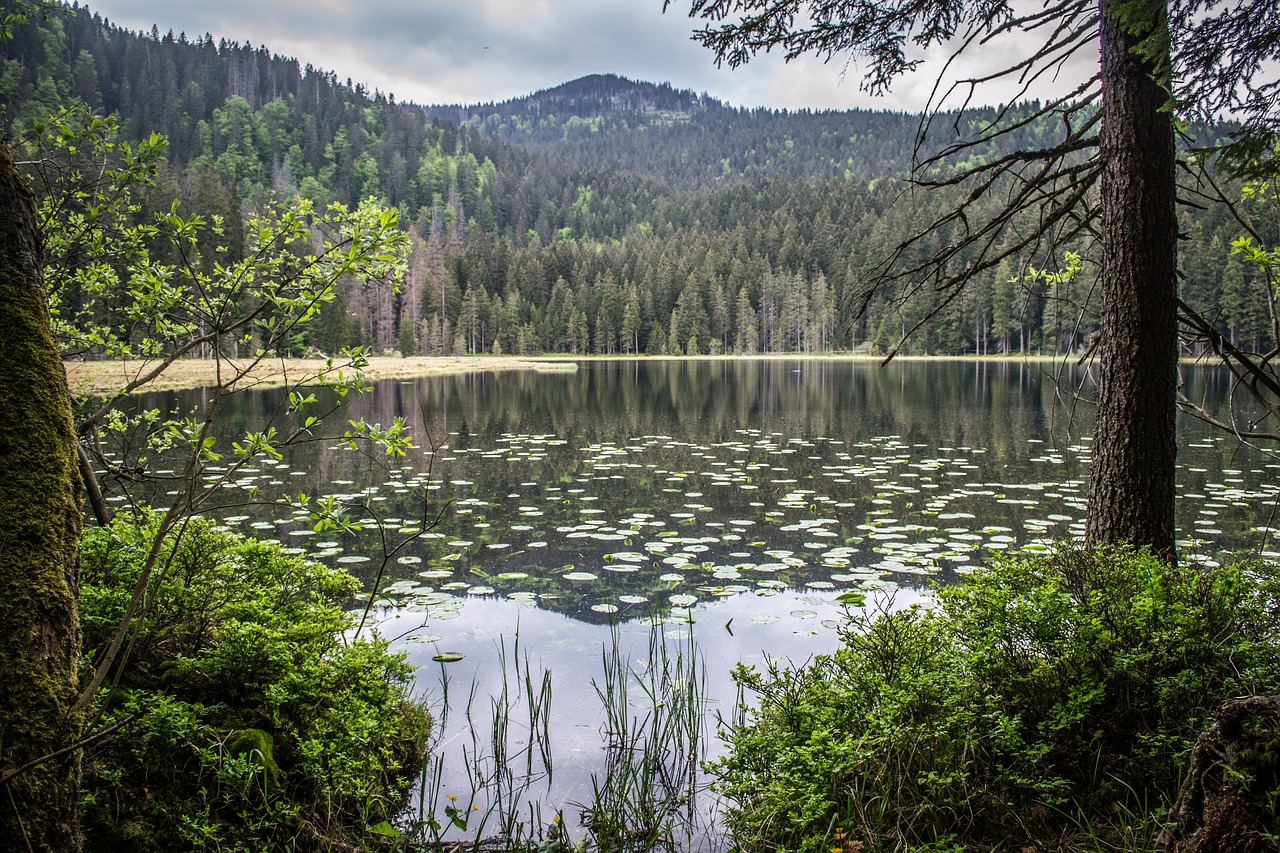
(1042, 699)
(259, 725)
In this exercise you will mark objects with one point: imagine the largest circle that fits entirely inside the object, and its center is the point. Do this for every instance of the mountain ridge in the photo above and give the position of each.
(623, 92)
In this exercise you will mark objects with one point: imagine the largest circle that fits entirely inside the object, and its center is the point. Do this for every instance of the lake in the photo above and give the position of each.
(565, 520)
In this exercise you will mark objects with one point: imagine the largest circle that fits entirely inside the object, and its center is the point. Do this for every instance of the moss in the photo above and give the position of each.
(39, 525)
(1253, 753)
(256, 745)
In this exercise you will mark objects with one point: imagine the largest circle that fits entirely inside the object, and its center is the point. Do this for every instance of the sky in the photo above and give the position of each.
(476, 51)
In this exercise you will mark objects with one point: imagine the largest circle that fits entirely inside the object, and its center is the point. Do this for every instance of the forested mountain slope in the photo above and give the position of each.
(603, 215)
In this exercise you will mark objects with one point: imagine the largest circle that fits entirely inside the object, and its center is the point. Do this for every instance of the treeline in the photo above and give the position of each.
(602, 216)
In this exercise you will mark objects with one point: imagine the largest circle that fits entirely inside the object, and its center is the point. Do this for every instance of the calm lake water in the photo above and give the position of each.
(725, 503)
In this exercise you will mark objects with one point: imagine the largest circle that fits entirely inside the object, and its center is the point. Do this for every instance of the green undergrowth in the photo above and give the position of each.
(1044, 702)
(257, 723)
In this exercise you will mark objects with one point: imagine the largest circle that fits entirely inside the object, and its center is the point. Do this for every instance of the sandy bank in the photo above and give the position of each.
(103, 377)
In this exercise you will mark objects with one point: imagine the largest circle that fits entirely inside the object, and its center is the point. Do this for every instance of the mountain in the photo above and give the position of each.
(602, 215)
(657, 130)
(593, 96)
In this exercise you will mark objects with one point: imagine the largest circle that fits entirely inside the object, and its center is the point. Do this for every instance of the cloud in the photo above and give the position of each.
(445, 51)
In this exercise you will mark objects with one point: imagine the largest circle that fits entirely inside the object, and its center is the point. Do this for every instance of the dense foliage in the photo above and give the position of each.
(252, 720)
(1044, 698)
(602, 216)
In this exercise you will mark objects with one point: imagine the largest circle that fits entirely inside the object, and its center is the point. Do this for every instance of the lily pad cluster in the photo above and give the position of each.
(661, 522)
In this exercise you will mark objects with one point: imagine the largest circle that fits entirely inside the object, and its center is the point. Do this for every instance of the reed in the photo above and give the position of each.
(644, 798)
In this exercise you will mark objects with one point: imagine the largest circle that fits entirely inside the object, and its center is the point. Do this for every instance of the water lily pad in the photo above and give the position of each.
(423, 638)
(436, 573)
(448, 657)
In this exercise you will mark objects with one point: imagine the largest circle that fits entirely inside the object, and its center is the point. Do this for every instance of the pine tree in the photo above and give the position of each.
(746, 340)
(630, 333)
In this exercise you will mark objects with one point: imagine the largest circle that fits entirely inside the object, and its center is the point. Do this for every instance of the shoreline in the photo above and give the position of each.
(97, 378)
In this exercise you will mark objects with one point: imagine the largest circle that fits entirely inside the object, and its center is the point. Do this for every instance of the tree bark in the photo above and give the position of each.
(1131, 483)
(39, 563)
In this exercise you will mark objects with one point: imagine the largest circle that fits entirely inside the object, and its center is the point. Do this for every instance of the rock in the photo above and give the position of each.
(1230, 799)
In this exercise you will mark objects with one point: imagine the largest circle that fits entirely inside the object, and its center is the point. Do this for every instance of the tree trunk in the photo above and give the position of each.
(39, 529)
(1131, 484)
(1223, 805)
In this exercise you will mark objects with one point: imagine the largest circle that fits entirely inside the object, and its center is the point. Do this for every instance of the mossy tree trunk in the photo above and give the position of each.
(1228, 801)
(39, 529)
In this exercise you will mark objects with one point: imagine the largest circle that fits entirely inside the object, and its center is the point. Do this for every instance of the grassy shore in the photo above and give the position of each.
(104, 377)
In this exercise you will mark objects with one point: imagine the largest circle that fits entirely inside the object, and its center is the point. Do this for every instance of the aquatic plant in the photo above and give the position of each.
(645, 798)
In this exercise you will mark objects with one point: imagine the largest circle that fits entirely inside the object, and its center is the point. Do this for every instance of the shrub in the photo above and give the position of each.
(1041, 698)
(258, 724)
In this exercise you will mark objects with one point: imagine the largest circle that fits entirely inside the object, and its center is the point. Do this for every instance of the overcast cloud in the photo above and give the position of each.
(472, 51)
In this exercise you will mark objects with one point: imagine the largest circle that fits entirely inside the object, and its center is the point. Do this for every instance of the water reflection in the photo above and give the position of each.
(632, 485)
